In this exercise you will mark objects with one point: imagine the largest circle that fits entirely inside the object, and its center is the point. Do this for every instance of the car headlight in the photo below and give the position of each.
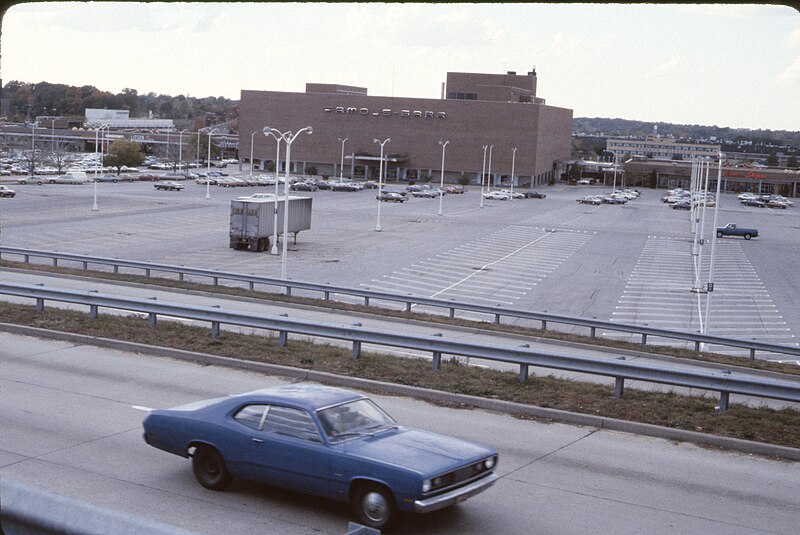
(489, 463)
(426, 485)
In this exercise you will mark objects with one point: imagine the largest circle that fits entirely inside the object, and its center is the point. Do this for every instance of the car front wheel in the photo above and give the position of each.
(374, 506)
(209, 468)
(719, 234)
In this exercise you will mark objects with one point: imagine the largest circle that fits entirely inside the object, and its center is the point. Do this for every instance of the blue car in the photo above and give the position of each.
(324, 441)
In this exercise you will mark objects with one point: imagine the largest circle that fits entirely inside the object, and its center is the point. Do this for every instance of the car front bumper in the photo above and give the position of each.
(454, 496)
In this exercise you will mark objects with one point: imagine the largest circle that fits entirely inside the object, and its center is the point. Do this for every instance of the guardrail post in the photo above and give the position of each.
(366, 301)
(408, 306)
(283, 338)
(93, 312)
(55, 262)
(452, 312)
(27, 258)
(593, 329)
(724, 397)
(327, 295)
(288, 290)
(356, 350)
(497, 319)
(644, 339)
(181, 277)
(85, 265)
(523, 373)
(116, 268)
(216, 280)
(752, 354)
(147, 273)
(39, 304)
(437, 360)
(697, 346)
(619, 386)
(151, 317)
(215, 329)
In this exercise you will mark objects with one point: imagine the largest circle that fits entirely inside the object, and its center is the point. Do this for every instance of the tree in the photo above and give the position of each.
(791, 163)
(772, 159)
(124, 152)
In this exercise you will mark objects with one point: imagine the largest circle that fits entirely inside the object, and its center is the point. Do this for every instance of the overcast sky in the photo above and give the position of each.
(724, 65)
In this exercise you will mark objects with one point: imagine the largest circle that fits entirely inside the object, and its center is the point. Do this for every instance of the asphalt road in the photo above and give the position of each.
(630, 263)
(72, 425)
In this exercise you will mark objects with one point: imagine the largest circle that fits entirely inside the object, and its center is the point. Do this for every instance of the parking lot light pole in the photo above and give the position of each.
(489, 178)
(483, 172)
(380, 182)
(251, 152)
(288, 138)
(180, 147)
(341, 162)
(96, 131)
(208, 165)
(699, 265)
(513, 161)
(710, 286)
(278, 136)
(53, 130)
(441, 183)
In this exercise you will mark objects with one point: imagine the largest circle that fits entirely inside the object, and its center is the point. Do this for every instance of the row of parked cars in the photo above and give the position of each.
(617, 197)
(765, 200)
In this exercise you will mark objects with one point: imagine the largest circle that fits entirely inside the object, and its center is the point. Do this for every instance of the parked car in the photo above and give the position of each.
(5, 191)
(394, 190)
(108, 178)
(454, 189)
(499, 195)
(425, 193)
(390, 196)
(70, 177)
(168, 185)
(211, 181)
(777, 204)
(327, 442)
(612, 199)
(682, 205)
(731, 229)
(513, 195)
(32, 179)
(589, 199)
(753, 202)
(534, 195)
(256, 196)
(303, 186)
(370, 184)
(323, 184)
(345, 186)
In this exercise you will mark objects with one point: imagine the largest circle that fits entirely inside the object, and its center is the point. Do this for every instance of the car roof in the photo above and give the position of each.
(308, 396)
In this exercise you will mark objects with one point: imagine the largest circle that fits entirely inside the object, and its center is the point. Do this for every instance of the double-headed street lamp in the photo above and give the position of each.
(277, 135)
(208, 166)
(441, 183)
(380, 182)
(483, 172)
(341, 162)
(288, 137)
(180, 147)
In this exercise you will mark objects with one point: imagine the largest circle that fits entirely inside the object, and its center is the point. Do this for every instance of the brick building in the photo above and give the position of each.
(475, 110)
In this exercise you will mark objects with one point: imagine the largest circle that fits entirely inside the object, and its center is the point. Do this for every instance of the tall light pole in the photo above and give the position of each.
(341, 162)
(380, 182)
(53, 129)
(697, 288)
(710, 286)
(288, 138)
(208, 166)
(441, 182)
(251, 152)
(513, 161)
(167, 144)
(483, 172)
(33, 146)
(489, 178)
(278, 136)
(180, 147)
(96, 131)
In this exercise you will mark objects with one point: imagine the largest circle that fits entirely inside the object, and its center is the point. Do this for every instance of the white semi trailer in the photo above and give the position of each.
(252, 221)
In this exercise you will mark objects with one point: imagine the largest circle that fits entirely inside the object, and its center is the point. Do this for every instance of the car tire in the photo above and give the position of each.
(719, 234)
(374, 506)
(209, 468)
(747, 236)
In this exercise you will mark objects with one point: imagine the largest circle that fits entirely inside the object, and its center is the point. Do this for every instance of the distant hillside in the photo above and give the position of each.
(596, 126)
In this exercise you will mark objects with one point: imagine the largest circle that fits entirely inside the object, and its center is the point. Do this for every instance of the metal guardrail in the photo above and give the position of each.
(369, 295)
(725, 383)
(29, 510)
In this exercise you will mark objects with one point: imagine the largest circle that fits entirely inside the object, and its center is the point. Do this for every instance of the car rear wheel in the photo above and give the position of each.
(209, 468)
(374, 506)
(719, 234)
(747, 236)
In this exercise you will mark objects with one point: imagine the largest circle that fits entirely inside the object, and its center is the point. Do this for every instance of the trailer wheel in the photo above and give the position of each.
(261, 245)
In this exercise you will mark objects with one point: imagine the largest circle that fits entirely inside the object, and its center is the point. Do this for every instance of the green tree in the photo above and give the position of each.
(791, 163)
(123, 152)
(772, 159)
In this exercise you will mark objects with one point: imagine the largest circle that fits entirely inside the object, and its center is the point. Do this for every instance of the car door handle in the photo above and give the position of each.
(257, 440)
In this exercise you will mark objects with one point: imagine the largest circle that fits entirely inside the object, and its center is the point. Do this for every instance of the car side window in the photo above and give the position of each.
(291, 422)
(252, 416)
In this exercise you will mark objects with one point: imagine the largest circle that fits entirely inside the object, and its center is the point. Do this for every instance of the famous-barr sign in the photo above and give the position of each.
(386, 112)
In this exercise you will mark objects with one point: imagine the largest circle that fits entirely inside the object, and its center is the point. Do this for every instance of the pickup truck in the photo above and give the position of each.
(732, 230)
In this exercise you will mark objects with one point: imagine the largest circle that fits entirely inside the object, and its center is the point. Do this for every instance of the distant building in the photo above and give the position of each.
(475, 110)
(660, 148)
(120, 119)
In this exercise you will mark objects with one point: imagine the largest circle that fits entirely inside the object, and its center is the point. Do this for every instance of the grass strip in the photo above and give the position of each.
(694, 413)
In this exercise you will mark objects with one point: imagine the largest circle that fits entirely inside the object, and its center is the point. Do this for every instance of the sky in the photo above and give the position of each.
(726, 65)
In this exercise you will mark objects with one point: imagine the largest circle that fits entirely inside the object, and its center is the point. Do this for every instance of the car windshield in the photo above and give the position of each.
(360, 417)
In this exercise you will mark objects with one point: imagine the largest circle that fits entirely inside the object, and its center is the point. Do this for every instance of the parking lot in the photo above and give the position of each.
(628, 263)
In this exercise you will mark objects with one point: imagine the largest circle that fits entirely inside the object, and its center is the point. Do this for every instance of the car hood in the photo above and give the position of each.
(421, 451)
